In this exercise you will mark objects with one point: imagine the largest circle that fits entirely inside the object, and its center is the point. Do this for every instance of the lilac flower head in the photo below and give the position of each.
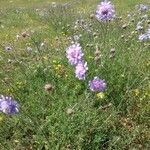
(143, 8)
(74, 54)
(97, 85)
(8, 105)
(143, 37)
(105, 11)
(80, 70)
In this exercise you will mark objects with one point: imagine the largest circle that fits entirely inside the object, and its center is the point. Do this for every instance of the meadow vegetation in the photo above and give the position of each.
(56, 109)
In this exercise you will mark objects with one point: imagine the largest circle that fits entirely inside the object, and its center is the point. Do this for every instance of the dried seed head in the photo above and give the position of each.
(48, 87)
(112, 50)
(24, 34)
(97, 52)
(91, 16)
(70, 111)
(148, 21)
(122, 36)
(112, 55)
(97, 58)
(124, 26)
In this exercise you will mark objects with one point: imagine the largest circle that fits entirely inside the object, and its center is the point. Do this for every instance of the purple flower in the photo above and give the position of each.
(143, 37)
(105, 11)
(80, 70)
(97, 85)
(8, 105)
(74, 54)
(143, 8)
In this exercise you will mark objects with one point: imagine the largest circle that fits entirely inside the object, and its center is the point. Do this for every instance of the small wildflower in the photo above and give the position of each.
(97, 85)
(17, 37)
(105, 11)
(76, 38)
(54, 61)
(122, 36)
(136, 92)
(143, 8)
(29, 49)
(80, 70)
(8, 105)
(1, 118)
(100, 95)
(42, 44)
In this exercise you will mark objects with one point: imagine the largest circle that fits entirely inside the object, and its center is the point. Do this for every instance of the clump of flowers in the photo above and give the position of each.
(80, 70)
(75, 58)
(97, 85)
(105, 11)
(8, 105)
(74, 54)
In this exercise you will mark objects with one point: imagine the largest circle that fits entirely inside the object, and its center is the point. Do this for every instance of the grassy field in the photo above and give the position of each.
(69, 116)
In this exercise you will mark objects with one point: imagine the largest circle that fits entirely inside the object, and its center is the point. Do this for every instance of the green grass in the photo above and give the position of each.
(119, 120)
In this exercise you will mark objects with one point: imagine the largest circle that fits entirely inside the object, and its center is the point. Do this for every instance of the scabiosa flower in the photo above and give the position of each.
(97, 85)
(8, 105)
(74, 54)
(143, 8)
(80, 70)
(143, 37)
(105, 11)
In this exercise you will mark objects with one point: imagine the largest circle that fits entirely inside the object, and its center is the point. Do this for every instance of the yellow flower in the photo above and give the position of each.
(136, 92)
(66, 75)
(59, 66)
(90, 57)
(54, 61)
(45, 58)
(100, 95)
(1, 119)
